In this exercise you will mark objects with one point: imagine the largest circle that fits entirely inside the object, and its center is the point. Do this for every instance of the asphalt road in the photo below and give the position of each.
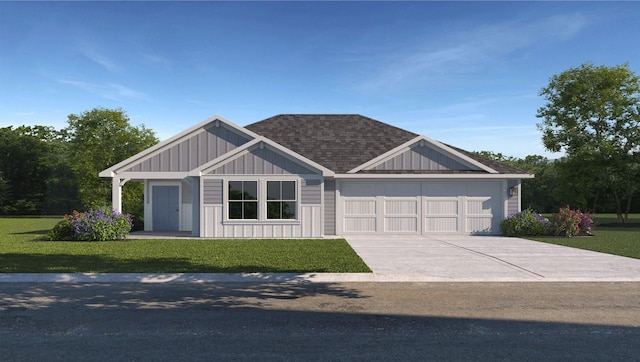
(320, 322)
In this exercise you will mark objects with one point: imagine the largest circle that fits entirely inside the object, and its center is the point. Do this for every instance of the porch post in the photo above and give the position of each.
(116, 194)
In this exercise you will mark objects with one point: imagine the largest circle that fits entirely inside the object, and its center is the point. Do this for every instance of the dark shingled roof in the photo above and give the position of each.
(341, 142)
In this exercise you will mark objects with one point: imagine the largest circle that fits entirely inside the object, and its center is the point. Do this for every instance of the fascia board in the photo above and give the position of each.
(147, 175)
(435, 176)
(161, 146)
(405, 146)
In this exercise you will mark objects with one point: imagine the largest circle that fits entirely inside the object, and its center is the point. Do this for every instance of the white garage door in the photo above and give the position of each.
(416, 207)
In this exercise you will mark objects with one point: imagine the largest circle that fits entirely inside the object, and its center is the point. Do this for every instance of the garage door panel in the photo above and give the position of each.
(477, 206)
(441, 206)
(401, 207)
(401, 224)
(441, 224)
(359, 207)
(479, 215)
(479, 224)
(360, 224)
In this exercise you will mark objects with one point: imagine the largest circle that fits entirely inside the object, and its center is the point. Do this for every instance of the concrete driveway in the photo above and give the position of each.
(486, 258)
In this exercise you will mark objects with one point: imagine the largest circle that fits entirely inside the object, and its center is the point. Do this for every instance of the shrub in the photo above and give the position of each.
(101, 225)
(526, 222)
(570, 223)
(64, 229)
(586, 222)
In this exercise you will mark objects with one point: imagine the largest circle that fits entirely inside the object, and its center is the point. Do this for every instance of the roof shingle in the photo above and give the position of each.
(341, 142)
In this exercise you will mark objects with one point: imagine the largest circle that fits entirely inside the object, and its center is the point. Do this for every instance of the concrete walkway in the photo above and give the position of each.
(442, 258)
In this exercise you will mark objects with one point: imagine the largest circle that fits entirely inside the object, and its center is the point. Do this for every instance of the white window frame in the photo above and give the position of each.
(262, 199)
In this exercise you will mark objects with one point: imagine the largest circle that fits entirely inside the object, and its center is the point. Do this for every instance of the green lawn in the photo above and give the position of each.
(623, 241)
(20, 252)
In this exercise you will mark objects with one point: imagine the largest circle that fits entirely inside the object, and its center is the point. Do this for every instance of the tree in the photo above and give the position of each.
(537, 192)
(34, 172)
(593, 114)
(100, 138)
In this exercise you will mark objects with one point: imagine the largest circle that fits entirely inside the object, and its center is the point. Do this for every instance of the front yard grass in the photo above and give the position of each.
(617, 240)
(21, 252)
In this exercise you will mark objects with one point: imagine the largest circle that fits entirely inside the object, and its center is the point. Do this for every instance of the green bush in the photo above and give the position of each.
(525, 223)
(63, 230)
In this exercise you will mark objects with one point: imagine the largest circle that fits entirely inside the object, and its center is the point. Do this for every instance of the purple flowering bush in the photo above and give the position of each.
(525, 223)
(99, 224)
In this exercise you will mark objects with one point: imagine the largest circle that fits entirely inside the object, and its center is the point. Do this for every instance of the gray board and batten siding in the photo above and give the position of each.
(262, 161)
(329, 207)
(202, 147)
(421, 158)
(212, 191)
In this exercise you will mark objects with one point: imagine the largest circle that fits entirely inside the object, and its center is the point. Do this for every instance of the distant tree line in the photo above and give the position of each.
(44, 171)
(557, 184)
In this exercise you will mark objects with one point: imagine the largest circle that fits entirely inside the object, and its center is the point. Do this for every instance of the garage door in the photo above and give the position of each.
(420, 207)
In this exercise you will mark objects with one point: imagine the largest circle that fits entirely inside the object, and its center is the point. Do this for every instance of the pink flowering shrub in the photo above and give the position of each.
(567, 222)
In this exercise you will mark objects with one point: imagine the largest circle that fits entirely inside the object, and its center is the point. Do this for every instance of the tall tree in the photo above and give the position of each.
(100, 138)
(593, 114)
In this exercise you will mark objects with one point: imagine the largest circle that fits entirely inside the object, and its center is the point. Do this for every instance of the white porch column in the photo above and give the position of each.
(116, 194)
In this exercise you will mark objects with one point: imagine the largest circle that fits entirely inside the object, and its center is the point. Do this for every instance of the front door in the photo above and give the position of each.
(166, 211)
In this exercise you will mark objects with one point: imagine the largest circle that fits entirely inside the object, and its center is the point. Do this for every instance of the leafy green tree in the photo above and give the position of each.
(35, 172)
(593, 114)
(98, 139)
(5, 191)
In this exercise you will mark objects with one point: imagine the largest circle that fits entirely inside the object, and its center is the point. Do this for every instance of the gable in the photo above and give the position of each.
(261, 159)
(422, 158)
(185, 151)
(338, 142)
(194, 151)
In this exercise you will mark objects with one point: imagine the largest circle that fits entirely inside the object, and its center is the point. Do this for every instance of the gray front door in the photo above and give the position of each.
(165, 208)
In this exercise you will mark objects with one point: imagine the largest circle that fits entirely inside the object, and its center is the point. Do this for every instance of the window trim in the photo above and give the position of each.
(262, 200)
(282, 200)
(242, 201)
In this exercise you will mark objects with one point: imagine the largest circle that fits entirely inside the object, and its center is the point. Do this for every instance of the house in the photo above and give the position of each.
(314, 176)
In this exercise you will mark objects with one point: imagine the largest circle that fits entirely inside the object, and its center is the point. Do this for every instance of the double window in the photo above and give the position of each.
(254, 200)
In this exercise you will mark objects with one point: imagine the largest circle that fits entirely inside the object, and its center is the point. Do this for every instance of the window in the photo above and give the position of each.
(281, 200)
(243, 200)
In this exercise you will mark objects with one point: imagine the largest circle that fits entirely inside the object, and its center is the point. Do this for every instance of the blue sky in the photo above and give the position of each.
(465, 73)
